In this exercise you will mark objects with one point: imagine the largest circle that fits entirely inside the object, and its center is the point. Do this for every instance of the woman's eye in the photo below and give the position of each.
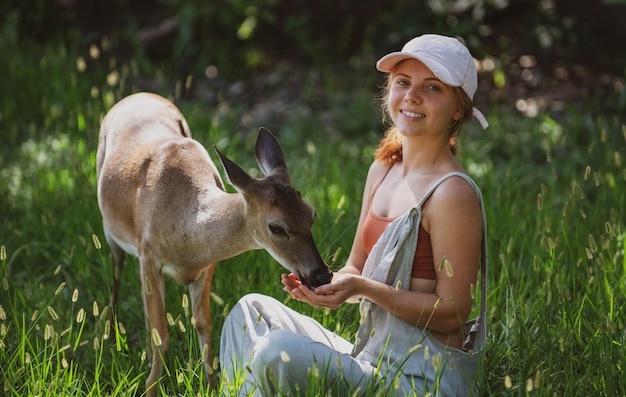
(402, 83)
(434, 88)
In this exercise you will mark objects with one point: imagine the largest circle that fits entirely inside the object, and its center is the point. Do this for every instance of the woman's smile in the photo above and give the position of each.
(412, 114)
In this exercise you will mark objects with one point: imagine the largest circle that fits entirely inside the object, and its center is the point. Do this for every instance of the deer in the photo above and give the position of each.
(163, 201)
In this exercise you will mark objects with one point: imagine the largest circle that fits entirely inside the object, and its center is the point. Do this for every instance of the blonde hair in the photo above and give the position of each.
(390, 147)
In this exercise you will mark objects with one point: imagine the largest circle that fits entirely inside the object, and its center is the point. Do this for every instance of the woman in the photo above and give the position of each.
(413, 263)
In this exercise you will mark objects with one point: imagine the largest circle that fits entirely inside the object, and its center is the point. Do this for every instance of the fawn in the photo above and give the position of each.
(162, 199)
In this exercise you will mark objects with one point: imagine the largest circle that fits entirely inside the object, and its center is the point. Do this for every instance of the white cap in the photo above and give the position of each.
(446, 57)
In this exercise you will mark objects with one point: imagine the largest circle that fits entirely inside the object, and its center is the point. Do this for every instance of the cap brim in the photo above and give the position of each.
(389, 62)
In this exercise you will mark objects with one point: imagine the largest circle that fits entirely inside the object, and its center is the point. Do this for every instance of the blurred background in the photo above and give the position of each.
(533, 55)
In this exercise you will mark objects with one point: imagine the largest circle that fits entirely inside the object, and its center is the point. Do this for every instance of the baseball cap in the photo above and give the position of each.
(446, 57)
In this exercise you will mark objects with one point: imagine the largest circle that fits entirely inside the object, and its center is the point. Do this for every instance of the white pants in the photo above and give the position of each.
(274, 349)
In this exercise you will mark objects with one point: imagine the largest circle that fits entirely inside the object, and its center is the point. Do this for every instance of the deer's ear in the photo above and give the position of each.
(270, 156)
(235, 174)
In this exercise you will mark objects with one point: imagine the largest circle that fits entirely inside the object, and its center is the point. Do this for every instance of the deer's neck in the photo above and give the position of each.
(225, 227)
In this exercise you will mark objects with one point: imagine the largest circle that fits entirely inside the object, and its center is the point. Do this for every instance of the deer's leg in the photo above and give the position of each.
(117, 258)
(153, 288)
(200, 291)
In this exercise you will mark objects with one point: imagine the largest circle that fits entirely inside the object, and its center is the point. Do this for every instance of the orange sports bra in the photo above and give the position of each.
(373, 227)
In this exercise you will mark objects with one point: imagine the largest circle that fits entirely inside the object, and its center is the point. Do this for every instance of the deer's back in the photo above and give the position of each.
(148, 167)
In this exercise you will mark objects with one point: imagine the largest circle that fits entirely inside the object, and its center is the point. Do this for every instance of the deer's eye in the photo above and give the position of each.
(277, 230)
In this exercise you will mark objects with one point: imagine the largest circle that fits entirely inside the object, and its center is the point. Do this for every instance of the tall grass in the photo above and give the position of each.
(554, 192)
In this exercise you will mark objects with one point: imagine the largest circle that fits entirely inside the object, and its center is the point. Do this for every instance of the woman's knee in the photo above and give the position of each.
(278, 348)
(280, 361)
(251, 299)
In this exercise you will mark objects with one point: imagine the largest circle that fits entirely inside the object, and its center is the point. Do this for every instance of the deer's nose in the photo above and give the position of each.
(324, 277)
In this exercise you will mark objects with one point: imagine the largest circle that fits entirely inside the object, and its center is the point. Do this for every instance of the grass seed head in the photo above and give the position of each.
(59, 288)
(66, 331)
(48, 332)
(448, 267)
(185, 304)
(80, 316)
(105, 313)
(315, 371)
(94, 51)
(537, 379)
(81, 64)
(414, 348)
(437, 362)
(53, 314)
(156, 338)
(96, 241)
(529, 385)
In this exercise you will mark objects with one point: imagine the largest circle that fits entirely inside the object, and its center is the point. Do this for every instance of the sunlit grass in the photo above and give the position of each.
(555, 199)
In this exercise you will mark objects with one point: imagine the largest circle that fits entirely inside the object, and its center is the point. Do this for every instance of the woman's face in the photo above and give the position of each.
(419, 103)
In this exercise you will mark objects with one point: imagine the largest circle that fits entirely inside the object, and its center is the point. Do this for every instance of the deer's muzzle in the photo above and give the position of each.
(322, 277)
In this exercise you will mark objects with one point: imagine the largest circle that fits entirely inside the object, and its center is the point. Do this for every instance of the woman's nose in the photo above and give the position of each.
(412, 95)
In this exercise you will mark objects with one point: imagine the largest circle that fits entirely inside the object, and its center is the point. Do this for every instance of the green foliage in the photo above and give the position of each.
(239, 36)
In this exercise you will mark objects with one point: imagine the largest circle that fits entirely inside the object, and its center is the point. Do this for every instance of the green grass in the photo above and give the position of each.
(555, 198)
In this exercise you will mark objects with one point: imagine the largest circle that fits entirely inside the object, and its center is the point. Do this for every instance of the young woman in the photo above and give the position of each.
(414, 261)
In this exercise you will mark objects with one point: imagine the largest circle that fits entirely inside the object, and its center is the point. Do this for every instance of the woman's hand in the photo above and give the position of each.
(342, 287)
(290, 282)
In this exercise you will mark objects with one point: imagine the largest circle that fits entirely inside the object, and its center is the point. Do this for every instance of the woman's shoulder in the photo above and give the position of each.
(453, 202)
(378, 169)
(375, 175)
(456, 191)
